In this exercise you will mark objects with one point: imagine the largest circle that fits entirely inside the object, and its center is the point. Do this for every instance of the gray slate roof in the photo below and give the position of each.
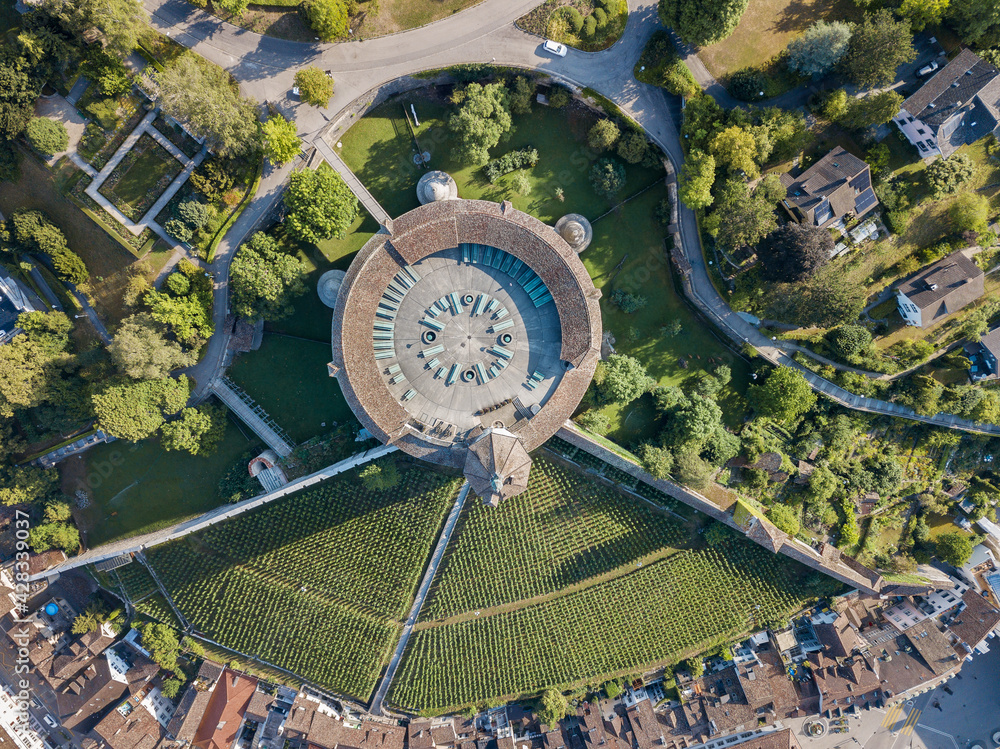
(944, 287)
(837, 184)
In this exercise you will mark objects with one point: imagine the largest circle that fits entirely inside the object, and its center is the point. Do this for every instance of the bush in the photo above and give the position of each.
(509, 162)
(213, 179)
(628, 303)
(521, 184)
(747, 84)
(178, 284)
(559, 96)
(574, 18)
(607, 177)
(178, 230)
(589, 27)
(328, 18)
(594, 421)
(603, 135)
(105, 111)
(601, 18)
(194, 213)
(633, 147)
(47, 136)
(945, 176)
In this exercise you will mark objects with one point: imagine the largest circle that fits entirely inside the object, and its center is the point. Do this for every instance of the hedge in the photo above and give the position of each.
(509, 162)
(210, 255)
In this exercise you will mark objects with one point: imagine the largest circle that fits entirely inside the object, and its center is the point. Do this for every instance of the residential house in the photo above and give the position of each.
(974, 621)
(956, 107)
(939, 290)
(194, 702)
(310, 725)
(983, 355)
(833, 189)
(14, 300)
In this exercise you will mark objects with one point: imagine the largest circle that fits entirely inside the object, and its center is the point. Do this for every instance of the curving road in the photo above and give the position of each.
(265, 68)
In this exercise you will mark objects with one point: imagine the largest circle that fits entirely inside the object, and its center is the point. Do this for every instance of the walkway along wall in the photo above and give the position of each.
(224, 512)
(827, 559)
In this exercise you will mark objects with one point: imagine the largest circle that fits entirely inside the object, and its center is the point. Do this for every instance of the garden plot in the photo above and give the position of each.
(140, 178)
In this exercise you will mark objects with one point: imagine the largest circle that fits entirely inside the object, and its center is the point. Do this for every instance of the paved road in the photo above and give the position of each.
(44, 287)
(418, 601)
(88, 310)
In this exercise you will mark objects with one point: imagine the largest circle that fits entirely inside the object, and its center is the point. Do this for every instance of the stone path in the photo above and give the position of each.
(418, 601)
(371, 205)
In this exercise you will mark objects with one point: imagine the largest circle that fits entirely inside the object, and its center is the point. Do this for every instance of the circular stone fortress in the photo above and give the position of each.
(466, 333)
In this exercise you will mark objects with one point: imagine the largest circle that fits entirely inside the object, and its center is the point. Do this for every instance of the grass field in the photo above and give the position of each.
(660, 613)
(766, 29)
(600, 531)
(379, 149)
(135, 488)
(315, 583)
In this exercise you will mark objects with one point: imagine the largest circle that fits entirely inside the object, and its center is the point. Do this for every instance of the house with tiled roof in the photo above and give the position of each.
(836, 187)
(975, 619)
(983, 356)
(128, 727)
(939, 290)
(194, 702)
(958, 106)
(310, 725)
(223, 716)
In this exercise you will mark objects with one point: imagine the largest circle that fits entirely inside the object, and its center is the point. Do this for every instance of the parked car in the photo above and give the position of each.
(927, 70)
(50, 721)
(555, 48)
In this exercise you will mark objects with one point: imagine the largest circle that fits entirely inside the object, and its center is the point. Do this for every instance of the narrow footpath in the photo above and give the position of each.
(418, 602)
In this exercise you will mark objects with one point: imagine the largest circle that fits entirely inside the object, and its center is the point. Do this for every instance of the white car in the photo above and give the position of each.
(927, 70)
(49, 720)
(555, 48)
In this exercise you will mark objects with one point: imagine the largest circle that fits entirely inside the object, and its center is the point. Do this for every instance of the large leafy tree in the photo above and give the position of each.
(696, 180)
(976, 21)
(701, 22)
(945, 176)
(850, 341)
(875, 109)
(821, 47)
(784, 396)
(23, 380)
(736, 149)
(623, 378)
(923, 13)
(188, 316)
(35, 233)
(953, 548)
(18, 91)
(328, 18)
(785, 518)
(743, 217)
(281, 139)
(198, 431)
(122, 23)
(27, 485)
(135, 410)
(554, 708)
(794, 252)
(263, 279)
(320, 205)
(142, 351)
(879, 45)
(54, 536)
(206, 100)
(481, 121)
(315, 86)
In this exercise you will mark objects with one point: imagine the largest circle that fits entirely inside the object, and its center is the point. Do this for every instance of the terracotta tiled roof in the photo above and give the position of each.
(225, 710)
(139, 730)
(839, 637)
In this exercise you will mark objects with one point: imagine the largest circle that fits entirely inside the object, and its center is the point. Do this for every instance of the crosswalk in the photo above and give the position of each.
(897, 719)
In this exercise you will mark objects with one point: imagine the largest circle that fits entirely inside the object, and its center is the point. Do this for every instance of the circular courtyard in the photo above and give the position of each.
(464, 320)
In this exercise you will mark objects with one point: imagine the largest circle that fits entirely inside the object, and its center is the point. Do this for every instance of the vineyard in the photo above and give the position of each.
(565, 529)
(136, 581)
(659, 613)
(315, 583)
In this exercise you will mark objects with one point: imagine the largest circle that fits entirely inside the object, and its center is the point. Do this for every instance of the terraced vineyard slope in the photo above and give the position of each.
(315, 583)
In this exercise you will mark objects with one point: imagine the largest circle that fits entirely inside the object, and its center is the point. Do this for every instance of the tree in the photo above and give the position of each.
(953, 548)
(607, 177)
(161, 642)
(233, 7)
(794, 252)
(784, 396)
(57, 511)
(281, 139)
(923, 13)
(320, 205)
(554, 708)
(742, 218)
(48, 330)
(736, 149)
(27, 485)
(23, 380)
(850, 341)
(35, 233)
(107, 71)
(18, 92)
(135, 410)
(969, 212)
(122, 23)
(520, 183)
(170, 688)
(179, 230)
(195, 214)
(695, 667)
(658, 461)
(47, 136)
(315, 86)
(945, 176)
(328, 18)
(976, 21)
(785, 518)
(380, 477)
(701, 22)
(878, 46)
(633, 147)
(522, 95)
(923, 394)
(820, 48)
(141, 351)
(697, 177)
(54, 536)
(198, 431)
(693, 423)
(874, 109)
(188, 316)
(595, 421)
(625, 378)
(264, 280)
(603, 135)
(480, 123)
(204, 98)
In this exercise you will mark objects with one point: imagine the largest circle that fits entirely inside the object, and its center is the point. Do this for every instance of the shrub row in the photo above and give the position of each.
(507, 163)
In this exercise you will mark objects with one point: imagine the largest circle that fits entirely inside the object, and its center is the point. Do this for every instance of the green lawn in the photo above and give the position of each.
(379, 149)
(138, 487)
(288, 378)
(152, 165)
